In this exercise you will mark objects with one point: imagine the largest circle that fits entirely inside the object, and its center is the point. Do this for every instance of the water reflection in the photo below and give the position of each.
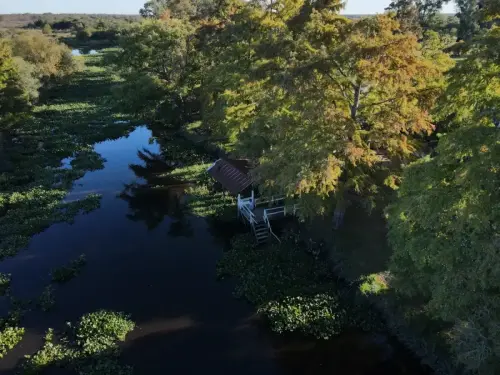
(157, 195)
(83, 51)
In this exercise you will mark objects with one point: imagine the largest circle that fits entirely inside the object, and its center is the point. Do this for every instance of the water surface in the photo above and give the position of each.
(146, 258)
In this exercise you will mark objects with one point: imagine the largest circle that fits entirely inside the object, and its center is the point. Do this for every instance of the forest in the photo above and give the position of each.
(395, 116)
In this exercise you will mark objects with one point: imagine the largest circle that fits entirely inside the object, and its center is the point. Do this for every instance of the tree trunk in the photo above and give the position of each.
(355, 105)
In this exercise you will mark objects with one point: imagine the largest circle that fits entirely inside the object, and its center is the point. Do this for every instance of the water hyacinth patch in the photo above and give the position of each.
(66, 273)
(88, 348)
(9, 338)
(5, 280)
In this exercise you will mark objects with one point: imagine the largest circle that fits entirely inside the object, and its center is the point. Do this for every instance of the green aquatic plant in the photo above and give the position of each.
(76, 113)
(9, 338)
(320, 315)
(294, 291)
(5, 279)
(69, 271)
(89, 348)
(101, 330)
(46, 301)
(49, 355)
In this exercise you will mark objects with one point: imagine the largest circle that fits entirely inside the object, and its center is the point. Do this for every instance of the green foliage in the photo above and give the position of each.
(416, 15)
(47, 29)
(5, 279)
(49, 355)
(291, 289)
(365, 113)
(14, 97)
(47, 301)
(31, 193)
(50, 58)
(320, 315)
(66, 273)
(373, 284)
(9, 338)
(469, 19)
(443, 226)
(90, 350)
(30, 212)
(99, 331)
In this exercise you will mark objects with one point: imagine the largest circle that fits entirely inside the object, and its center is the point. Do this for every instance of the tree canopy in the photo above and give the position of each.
(444, 224)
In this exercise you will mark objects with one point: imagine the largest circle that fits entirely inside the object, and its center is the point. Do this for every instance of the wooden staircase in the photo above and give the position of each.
(261, 231)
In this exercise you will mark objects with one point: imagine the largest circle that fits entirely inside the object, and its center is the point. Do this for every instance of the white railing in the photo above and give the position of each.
(272, 200)
(248, 214)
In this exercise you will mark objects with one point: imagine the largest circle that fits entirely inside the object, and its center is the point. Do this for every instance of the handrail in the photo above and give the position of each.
(250, 216)
(269, 199)
(268, 222)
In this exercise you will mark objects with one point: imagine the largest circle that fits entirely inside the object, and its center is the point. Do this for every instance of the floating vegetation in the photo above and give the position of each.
(5, 279)
(292, 290)
(46, 301)
(65, 273)
(9, 338)
(89, 348)
(73, 115)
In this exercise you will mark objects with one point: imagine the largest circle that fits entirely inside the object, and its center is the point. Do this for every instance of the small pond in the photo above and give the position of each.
(146, 260)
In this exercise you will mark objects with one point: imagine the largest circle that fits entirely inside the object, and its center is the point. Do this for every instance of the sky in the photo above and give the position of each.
(133, 6)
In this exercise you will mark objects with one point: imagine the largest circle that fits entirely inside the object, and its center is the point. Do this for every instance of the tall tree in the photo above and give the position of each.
(14, 100)
(444, 225)
(469, 18)
(347, 99)
(416, 15)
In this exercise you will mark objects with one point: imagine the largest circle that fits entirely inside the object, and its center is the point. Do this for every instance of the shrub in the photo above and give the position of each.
(47, 29)
(373, 284)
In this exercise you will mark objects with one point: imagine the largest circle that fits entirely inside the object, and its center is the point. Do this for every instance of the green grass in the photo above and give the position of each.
(65, 273)
(88, 348)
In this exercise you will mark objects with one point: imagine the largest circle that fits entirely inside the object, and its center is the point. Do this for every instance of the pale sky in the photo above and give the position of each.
(133, 6)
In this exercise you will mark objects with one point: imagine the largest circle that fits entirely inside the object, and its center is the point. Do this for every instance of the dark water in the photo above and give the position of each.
(148, 264)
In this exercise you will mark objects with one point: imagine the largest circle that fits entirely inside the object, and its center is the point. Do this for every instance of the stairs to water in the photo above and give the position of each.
(261, 231)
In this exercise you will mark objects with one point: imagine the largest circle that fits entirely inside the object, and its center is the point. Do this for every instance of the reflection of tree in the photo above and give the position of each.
(157, 196)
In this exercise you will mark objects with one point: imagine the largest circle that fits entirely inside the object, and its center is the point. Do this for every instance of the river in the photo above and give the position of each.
(187, 322)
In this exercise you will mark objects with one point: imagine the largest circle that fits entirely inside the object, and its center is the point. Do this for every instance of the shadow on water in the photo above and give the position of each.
(148, 258)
